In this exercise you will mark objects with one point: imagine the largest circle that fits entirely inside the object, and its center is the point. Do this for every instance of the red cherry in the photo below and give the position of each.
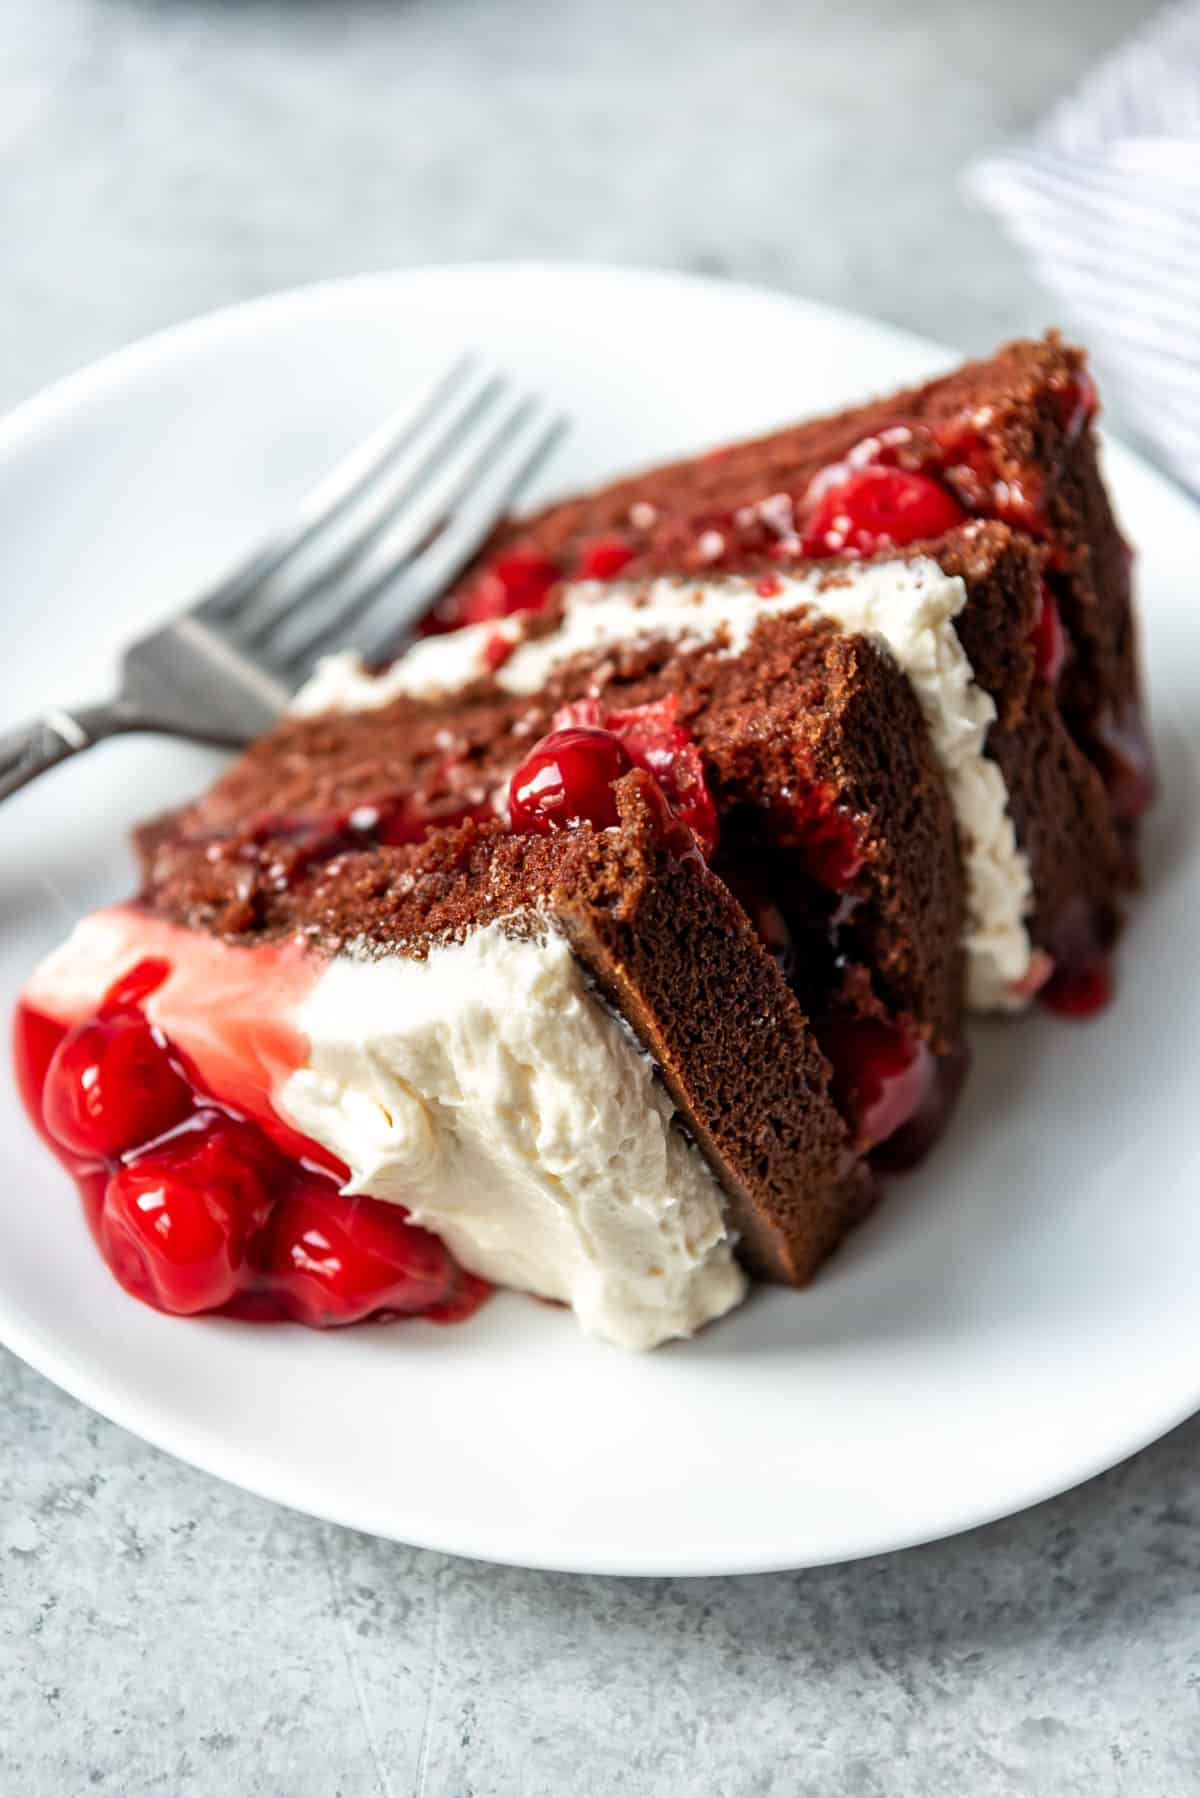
(335, 1260)
(497, 650)
(1017, 496)
(602, 558)
(826, 835)
(1051, 644)
(134, 988)
(518, 580)
(878, 508)
(567, 779)
(111, 1086)
(1079, 992)
(466, 1295)
(410, 817)
(183, 1222)
(177, 1221)
(881, 1074)
(910, 1144)
(657, 742)
(1126, 760)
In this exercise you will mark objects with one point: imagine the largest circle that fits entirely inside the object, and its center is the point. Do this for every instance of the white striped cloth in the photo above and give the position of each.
(1105, 198)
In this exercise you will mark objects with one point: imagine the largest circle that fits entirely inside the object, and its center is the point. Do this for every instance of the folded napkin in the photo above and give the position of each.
(1105, 198)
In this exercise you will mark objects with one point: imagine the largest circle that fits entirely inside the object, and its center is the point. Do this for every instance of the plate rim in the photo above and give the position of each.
(240, 1473)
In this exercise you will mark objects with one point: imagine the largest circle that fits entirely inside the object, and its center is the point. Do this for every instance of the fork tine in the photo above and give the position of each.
(410, 532)
(365, 518)
(334, 492)
(385, 607)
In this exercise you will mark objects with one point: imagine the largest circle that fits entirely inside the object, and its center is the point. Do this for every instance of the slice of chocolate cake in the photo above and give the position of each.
(471, 1029)
(610, 960)
(1048, 629)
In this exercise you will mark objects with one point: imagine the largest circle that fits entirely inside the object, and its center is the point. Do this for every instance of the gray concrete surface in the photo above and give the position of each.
(161, 1633)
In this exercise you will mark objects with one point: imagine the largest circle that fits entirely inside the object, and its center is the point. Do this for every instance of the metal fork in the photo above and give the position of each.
(370, 548)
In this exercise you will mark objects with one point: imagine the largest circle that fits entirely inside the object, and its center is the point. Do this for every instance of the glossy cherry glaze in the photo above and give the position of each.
(657, 742)
(1079, 992)
(497, 650)
(522, 578)
(567, 779)
(1122, 746)
(882, 1074)
(197, 1209)
(1079, 980)
(893, 1093)
(825, 833)
(289, 846)
(936, 1096)
(603, 558)
(568, 776)
(111, 1088)
(877, 508)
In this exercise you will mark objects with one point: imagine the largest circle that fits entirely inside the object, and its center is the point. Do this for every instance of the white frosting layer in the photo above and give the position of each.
(909, 605)
(488, 1090)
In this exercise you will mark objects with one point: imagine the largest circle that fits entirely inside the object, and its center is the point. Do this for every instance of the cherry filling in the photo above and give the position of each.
(1079, 992)
(882, 1074)
(519, 580)
(178, 1217)
(497, 650)
(287, 848)
(876, 508)
(567, 778)
(1076, 973)
(656, 741)
(522, 578)
(892, 1091)
(339, 1261)
(111, 1087)
(1126, 760)
(197, 1209)
(601, 558)
(825, 833)
(794, 868)
(409, 817)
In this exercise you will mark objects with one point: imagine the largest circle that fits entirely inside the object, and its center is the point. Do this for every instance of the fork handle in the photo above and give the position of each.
(33, 748)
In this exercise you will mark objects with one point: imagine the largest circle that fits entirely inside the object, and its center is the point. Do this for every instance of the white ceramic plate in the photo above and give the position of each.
(1019, 1314)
